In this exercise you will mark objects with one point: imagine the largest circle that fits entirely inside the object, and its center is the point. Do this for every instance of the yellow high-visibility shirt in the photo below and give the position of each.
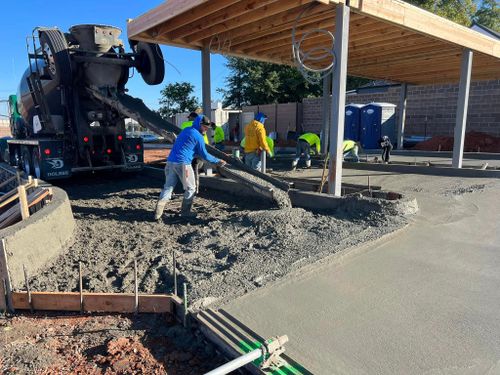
(255, 135)
(188, 124)
(312, 139)
(348, 145)
(219, 134)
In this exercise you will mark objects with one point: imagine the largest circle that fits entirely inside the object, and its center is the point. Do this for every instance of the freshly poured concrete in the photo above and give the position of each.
(425, 300)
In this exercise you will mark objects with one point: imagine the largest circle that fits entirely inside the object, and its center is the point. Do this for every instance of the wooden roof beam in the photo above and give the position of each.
(272, 9)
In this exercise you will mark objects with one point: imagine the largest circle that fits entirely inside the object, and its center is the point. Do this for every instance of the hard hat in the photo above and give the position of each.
(260, 117)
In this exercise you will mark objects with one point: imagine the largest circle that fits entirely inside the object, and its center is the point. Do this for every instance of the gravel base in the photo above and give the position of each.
(234, 246)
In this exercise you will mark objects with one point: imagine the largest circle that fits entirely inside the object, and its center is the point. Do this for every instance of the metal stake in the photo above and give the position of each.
(136, 289)
(174, 266)
(25, 271)
(80, 281)
(184, 322)
(369, 186)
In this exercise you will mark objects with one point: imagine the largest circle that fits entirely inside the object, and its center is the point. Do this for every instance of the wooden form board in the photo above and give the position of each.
(95, 302)
(389, 39)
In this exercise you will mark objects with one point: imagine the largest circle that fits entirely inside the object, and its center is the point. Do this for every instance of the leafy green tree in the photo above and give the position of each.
(488, 14)
(459, 11)
(177, 98)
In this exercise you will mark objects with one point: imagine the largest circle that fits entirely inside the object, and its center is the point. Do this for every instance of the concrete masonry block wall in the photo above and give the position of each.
(40, 238)
(431, 109)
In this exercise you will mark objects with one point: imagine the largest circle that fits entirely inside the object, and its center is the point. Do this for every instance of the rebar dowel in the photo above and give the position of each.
(237, 363)
(80, 281)
(184, 285)
(369, 187)
(174, 265)
(136, 289)
(26, 278)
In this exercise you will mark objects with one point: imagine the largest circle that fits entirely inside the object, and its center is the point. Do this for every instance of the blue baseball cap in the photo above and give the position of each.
(260, 117)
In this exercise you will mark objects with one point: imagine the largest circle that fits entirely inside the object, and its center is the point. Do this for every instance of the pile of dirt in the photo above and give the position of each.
(234, 246)
(474, 142)
(102, 344)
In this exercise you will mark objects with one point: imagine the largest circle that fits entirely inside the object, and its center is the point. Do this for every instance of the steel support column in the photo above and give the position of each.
(205, 82)
(402, 115)
(462, 104)
(338, 100)
(325, 130)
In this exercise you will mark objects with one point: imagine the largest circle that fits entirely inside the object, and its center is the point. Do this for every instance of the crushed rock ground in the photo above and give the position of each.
(234, 246)
(102, 344)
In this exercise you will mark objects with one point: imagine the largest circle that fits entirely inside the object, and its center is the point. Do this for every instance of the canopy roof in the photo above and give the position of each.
(388, 39)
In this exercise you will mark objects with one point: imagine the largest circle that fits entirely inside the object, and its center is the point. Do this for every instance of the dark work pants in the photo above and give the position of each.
(386, 153)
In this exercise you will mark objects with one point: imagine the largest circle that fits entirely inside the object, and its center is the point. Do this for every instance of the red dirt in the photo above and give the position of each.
(474, 142)
(101, 345)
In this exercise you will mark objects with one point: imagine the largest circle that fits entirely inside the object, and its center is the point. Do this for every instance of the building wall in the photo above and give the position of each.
(431, 109)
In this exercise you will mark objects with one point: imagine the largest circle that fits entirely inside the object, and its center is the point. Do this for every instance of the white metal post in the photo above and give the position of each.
(263, 161)
(462, 104)
(205, 82)
(325, 131)
(402, 115)
(338, 99)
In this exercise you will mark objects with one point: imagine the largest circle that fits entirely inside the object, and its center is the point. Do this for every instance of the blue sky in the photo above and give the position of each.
(18, 18)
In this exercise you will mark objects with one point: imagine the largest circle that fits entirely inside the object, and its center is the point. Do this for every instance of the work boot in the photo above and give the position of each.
(294, 164)
(308, 164)
(186, 210)
(160, 206)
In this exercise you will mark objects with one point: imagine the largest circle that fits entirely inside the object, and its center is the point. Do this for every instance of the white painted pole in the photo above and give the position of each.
(205, 82)
(327, 81)
(236, 363)
(263, 161)
(462, 104)
(338, 99)
(402, 115)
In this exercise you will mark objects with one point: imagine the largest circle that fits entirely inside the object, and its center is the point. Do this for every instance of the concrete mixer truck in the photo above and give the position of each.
(58, 121)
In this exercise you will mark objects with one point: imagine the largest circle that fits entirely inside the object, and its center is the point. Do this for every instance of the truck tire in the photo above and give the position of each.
(56, 54)
(27, 163)
(150, 63)
(37, 163)
(16, 160)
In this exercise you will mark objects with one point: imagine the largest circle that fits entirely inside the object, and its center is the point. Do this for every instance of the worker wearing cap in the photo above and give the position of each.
(269, 141)
(305, 144)
(219, 136)
(350, 150)
(189, 123)
(188, 144)
(255, 142)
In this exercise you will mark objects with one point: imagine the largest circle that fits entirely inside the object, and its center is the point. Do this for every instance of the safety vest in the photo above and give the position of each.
(219, 134)
(348, 145)
(312, 139)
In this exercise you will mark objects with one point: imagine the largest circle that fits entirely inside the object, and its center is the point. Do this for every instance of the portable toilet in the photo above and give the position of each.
(352, 121)
(377, 119)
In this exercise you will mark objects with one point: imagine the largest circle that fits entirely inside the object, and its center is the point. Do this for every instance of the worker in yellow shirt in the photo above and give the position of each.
(189, 123)
(305, 145)
(219, 136)
(255, 142)
(270, 143)
(350, 150)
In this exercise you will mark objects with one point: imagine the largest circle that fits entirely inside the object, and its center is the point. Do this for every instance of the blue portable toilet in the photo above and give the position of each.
(352, 123)
(377, 119)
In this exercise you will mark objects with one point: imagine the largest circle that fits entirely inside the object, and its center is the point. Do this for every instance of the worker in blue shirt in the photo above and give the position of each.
(189, 144)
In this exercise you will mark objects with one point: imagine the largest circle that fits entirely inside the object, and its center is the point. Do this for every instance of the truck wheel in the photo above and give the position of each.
(151, 65)
(37, 163)
(56, 54)
(26, 162)
(17, 159)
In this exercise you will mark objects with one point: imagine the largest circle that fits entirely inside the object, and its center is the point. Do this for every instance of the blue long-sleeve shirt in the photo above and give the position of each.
(190, 144)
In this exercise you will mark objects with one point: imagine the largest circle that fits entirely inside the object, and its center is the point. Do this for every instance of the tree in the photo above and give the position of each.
(459, 11)
(488, 15)
(177, 98)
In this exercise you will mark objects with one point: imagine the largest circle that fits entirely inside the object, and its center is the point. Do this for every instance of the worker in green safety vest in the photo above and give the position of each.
(269, 141)
(219, 136)
(189, 123)
(305, 144)
(350, 150)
